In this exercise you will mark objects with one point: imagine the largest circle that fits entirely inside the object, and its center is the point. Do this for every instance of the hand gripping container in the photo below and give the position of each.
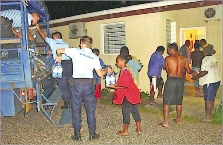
(57, 70)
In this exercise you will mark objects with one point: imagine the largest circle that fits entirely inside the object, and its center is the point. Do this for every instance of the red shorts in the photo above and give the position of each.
(97, 92)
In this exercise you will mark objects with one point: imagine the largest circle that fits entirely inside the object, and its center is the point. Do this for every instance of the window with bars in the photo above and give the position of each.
(170, 31)
(114, 37)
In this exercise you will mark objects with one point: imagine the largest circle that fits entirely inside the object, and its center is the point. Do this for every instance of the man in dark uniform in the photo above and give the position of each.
(56, 42)
(83, 84)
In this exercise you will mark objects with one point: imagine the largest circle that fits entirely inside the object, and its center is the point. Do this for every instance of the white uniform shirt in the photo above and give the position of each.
(55, 44)
(84, 61)
(15, 15)
(209, 64)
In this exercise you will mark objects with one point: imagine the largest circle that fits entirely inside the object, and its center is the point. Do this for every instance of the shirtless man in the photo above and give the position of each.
(176, 65)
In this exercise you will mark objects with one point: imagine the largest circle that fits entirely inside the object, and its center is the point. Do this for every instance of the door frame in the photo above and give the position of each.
(182, 29)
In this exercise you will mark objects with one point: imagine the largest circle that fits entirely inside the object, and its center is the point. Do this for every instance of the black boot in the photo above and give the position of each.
(76, 136)
(94, 136)
(67, 105)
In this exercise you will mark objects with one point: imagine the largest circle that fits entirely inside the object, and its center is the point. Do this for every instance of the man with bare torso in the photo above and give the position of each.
(176, 65)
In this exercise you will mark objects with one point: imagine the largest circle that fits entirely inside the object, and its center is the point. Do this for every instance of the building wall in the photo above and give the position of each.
(194, 18)
(147, 31)
(65, 35)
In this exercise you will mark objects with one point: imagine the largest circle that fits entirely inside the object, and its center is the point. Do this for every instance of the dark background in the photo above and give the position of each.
(62, 9)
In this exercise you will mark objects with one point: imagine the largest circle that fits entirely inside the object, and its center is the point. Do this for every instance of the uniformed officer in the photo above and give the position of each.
(56, 42)
(83, 84)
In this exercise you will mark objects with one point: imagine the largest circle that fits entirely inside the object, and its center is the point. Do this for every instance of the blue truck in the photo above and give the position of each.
(26, 79)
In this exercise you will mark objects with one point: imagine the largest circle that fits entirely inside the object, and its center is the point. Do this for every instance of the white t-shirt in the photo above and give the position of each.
(55, 44)
(84, 61)
(209, 64)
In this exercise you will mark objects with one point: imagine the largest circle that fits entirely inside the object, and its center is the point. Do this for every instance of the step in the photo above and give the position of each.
(66, 117)
(55, 97)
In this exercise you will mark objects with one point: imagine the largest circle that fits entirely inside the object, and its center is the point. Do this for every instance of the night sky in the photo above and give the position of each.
(62, 9)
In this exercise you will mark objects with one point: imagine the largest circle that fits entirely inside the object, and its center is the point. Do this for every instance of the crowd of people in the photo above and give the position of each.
(204, 72)
(82, 72)
(127, 94)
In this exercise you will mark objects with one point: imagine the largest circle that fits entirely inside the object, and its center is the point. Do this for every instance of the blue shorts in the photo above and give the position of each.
(210, 91)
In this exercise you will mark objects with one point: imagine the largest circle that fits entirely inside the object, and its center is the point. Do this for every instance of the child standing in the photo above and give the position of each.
(97, 92)
(127, 94)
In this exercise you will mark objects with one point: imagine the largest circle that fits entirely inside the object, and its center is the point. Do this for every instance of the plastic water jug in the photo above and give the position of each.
(110, 79)
(57, 70)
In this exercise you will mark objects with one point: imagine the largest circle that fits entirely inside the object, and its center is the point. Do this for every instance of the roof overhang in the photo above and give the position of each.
(133, 10)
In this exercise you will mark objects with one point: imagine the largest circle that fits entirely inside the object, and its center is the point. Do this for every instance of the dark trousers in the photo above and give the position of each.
(63, 82)
(83, 93)
(128, 108)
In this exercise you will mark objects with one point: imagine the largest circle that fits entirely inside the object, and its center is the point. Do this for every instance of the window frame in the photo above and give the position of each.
(172, 32)
(103, 37)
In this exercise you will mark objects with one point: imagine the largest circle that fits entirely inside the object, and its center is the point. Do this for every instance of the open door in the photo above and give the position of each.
(192, 34)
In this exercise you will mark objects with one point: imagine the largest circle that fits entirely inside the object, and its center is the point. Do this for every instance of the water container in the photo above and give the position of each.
(54, 71)
(110, 79)
(57, 70)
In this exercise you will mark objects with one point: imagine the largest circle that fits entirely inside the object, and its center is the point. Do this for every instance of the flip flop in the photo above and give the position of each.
(161, 124)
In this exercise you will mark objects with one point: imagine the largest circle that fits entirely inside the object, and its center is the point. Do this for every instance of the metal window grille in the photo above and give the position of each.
(170, 32)
(114, 38)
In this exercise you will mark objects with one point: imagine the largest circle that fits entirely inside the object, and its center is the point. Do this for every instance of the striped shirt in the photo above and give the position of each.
(15, 16)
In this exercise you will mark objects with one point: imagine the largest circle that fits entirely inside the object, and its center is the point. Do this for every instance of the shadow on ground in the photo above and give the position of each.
(193, 105)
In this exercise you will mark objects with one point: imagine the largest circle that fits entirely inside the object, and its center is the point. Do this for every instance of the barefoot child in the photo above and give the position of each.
(127, 94)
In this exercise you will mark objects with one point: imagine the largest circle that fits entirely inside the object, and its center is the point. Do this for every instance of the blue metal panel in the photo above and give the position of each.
(18, 73)
(12, 71)
(26, 66)
(24, 21)
(10, 105)
(12, 77)
(11, 85)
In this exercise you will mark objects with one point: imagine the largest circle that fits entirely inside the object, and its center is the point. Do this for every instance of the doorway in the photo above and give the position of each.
(192, 34)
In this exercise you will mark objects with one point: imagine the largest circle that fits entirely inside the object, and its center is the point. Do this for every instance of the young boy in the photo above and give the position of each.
(97, 92)
(127, 94)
